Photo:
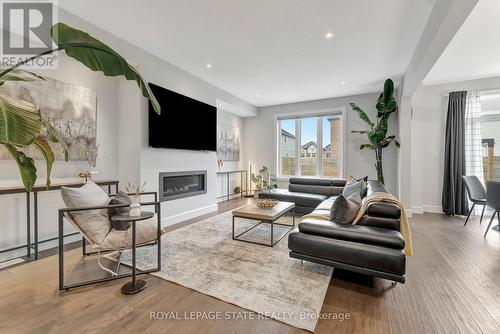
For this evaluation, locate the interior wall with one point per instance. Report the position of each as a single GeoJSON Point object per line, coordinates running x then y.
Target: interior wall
{"type": "Point", "coordinates": [227, 118]}
{"type": "Point", "coordinates": [260, 131]}
{"type": "Point", "coordinates": [13, 207]}
{"type": "Point", "coordinates": [428, 124]}
{"type": "Point", "coordinates": [149, 162]}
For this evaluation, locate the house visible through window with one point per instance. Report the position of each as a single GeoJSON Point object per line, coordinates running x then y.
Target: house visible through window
{"type": "Point", "coordinates": [316, 141]}
{"type": "Point", "coordinates": [490, 133]}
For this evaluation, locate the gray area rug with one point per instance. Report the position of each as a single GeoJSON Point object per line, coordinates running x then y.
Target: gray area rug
{"type": "Point", "coordinates": [265, 280]}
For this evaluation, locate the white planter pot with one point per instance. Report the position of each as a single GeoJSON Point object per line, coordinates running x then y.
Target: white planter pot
{"type": "Point", "coordinates": [134, 210]}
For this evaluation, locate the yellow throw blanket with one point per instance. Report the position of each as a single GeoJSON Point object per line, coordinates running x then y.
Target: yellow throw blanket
{"type": "Point", "coordinates": [377, 197]}
{"type": "Point", "coordinates": [404, 226]}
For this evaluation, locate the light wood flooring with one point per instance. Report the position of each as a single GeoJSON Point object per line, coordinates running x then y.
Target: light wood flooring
{"type": "Point", "coordinates": [452, 286]}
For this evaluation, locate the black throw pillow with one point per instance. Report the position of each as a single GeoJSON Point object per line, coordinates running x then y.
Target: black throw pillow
{"type": "Point", "coordinates": [120, 198]}
{"type": "Point", "coordinates": [344, 210]}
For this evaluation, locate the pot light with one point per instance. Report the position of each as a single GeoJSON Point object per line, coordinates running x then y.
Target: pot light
{"type": "Point", "coordinates": [343, 83]}
{"type": "Point", "coordinates": [258, 95]}
{"type": "Point", "coordinates": [329, 35]}
{"type": "Point", "coordinates": [208, 65]}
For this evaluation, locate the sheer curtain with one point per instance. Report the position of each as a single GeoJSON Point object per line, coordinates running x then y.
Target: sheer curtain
{"type": "Point", "coordinates": [473, 138]}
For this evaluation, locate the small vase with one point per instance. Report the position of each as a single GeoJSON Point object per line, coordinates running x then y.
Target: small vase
{"type": "Point", "coordinates": [134, 210]}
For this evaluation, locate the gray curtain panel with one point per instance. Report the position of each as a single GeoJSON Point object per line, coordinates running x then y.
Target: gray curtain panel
{"type": "Point", "coordinates": [454, 199]}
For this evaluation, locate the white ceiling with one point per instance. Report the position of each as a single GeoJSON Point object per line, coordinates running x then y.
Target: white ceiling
{"type": "Point", "coordinates": [271, 52]}
{"type": "Point", "coordinates": [474, 52]}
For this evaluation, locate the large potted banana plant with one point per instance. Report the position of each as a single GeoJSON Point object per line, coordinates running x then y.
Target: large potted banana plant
{"type": "Point", "coordinates": [377, 132]}
{"type": "Point", "coordinates": [21, 123]}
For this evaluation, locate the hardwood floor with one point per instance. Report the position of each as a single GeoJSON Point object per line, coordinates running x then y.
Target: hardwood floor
{"type": "Point", "coordinates": [451, 287]}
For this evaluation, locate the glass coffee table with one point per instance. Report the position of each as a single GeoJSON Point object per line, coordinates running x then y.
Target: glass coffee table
{"type": "Point", "coordinates": [269, 216]}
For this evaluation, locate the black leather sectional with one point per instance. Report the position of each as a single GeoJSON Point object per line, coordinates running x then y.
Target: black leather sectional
{"type": "Point", "coordinates": [373, 247]}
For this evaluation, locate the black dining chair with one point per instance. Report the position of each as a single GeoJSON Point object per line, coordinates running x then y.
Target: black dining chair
{"type": "Point", "coordinates": [493, 201]}
{"type": "Point", "coordinates": [476, 193]}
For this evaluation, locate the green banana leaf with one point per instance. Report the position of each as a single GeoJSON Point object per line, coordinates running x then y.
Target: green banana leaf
{"type": "Point", "coordinates": [42, 145]}
{"type": "Point", "coordinates": [98, 57]}
{"type": "Point", "coordinates": [370, 146]}
{"type": "Point", "coordinates": [18, 75]}
{"type": "Point", "coordinates": [386, 102]}
{"type": "Point", "coordinates": [26, 166]}
{"type": "Point", "coordinates": [362, 115]}
{"type": "Point", "coordinates": [20, 121]}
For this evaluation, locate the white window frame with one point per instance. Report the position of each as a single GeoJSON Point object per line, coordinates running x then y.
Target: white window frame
{"type": "Point", "coordinates": [330, 112]}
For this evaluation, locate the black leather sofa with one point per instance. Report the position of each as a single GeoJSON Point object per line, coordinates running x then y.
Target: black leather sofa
{"type": "Point", "coordinates": [373, 247]}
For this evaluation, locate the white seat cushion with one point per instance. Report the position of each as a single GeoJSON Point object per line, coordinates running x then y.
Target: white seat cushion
{"type": "Point", "coordinates": [145, 233]}
{"type": "Point", "coordinates": [94, 223]}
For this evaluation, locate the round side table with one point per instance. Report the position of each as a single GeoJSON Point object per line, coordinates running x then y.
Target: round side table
{"type": "Point", "coordinates": [135, 285]}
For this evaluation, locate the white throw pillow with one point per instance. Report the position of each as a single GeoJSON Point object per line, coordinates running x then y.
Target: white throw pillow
{"type": "Point", "coordinates": [94, 223]}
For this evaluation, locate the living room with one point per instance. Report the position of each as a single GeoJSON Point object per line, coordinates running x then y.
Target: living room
{"type": "Point", "coordinates": [249, 166]}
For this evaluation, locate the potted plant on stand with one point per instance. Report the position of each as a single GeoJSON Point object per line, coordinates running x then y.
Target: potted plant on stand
{"type": "Point", "coordinates": [264, 182]}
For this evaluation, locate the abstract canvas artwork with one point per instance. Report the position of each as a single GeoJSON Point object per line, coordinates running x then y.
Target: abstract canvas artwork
{"type": "Point", "coordinates": [228, 142]}
{"type": "Point", "coordinates": [69, 108]}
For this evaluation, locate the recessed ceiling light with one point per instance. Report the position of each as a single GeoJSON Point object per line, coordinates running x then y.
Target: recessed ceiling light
{"type": "Point", "coordinates": [208, 65]}
{"type": "Point", "coordinates": [329, 35]}
{"type": "Point", "coordinates": [258, 95]}
{"type": "Point", "coordinates": [343, 82]}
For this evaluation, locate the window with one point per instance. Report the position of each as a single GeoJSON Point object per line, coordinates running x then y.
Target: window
{"type": "Point", "coordinates": [310, 146]}
{"type": "Point", "coordinates": [308, 140]}
{"type": "Point", "coordinates": [287, 147]}
{"type": "Point", "coordinates": [490, 134]}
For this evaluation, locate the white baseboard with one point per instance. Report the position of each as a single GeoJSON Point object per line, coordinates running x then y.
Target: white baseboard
{"type": "Point", "coordinates": [418, 210]}
{"type": "Point", "coordinates": [432, 208]}
{"type": "Point", "coordinates": [409, 213]}
{"type": "Point", "coordinates": [188, 215]}
{"type": "Point", "coordinates": [426, 208]}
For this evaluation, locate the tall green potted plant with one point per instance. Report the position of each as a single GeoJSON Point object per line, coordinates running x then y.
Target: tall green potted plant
{"type": "Point", "coordinates": [377, 132]}
{"type": "Point", "coordinates": [22, 125]}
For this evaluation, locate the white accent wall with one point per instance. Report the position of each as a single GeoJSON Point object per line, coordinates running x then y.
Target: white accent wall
{"type": "Point", "coordinates": [122, 136]}
{"type": "Point", "coordinates": [260, 149]}
{"type": "Point", "coordinates": [428, 126]}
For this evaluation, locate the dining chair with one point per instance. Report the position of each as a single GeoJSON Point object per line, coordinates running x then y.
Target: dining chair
{"type": "Point", "coordinates": [493, 201]}
{"type": "Point", "coordinates": [476, 194]}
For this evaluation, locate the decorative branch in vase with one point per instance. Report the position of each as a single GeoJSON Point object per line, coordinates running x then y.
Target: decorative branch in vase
{"type": "Point", "coordinates": [264, 180]}
{"type": "Point", "coordinates": [134, 190]}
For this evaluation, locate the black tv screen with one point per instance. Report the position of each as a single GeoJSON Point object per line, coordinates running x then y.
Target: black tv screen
{"type": "Point", "coordinates": [184, 123]}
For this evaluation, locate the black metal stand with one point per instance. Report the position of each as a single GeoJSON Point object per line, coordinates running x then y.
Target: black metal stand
{"type": "Point", "coordinates": [35, 244]}
{"type": "Point", "coordinates": [135, 285]}
{"type": "Point", "coordinates": [228, 194]}
{"type": "Point", "coordinates": [271, 222]}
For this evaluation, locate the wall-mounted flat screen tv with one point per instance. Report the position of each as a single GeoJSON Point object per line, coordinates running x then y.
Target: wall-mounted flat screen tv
{"type": "Point", "coordinates": [184, 123]}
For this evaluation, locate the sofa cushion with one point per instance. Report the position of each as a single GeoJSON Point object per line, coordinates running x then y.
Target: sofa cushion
{"type": "Point", "coordinates": [310, 181]}
{"type": "Point", "coordinates": [382, 222]}
{"type": "Point", "coordinates": [384, 209]}
{"type": "Point", "coordinates": [315, 189]}
{"type": "Point", "coordinates": [326, 204]}
{"type": "Point", "coordinates": [352, 187]}
{"type": "Point", "coordinates": [362, 234]}
{"type": "Point", "coordinates": [94, 223]}
{"type": "Point", "coordinates": [344, 210]}
{"type": "Point", "coordinates": [374, 186]}
{"type": "Point", "coordinates": [374, 257]}
{"type": "Point", "coordinates": [299, 198]}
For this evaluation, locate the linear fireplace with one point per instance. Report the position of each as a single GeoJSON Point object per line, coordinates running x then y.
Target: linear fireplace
{"type": "Point", "coordinates": [175, 185]}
